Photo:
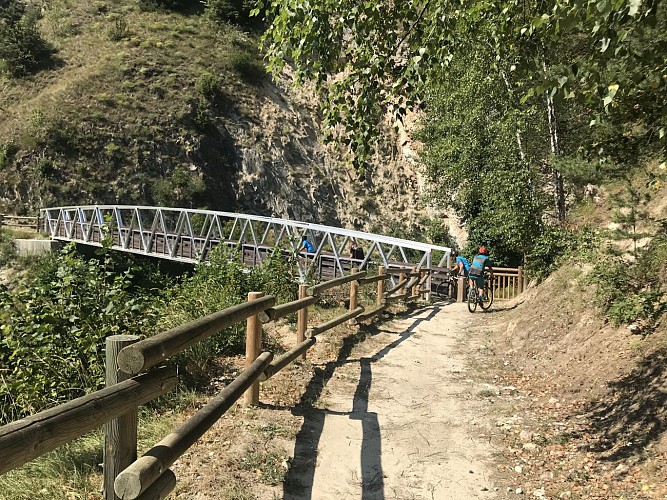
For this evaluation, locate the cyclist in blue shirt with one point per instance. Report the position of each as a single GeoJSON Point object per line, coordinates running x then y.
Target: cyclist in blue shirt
{"type": "Point", "coordinates": [476, 272]}
{"type": "Point", "coordinates": [461, 266]}
{"type": "Point", "coordinates": [307, 245]}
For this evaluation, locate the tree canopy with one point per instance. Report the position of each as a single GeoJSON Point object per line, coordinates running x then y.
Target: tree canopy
{"type": "Point", "coordinates": [371, 57]}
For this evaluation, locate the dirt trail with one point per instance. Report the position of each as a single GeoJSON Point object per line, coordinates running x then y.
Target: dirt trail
{"type": "Point", "coordinates": [398, 418]}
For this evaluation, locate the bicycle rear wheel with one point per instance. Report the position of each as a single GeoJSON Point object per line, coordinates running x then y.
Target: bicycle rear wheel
{"type": "Point", "coordinates": [488, 297]}
{"type": "Point", "coordinates": [472, 299]}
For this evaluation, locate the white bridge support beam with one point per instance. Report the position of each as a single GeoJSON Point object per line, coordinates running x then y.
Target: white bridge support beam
{"type": "Point", "coordinates": [187, 235]}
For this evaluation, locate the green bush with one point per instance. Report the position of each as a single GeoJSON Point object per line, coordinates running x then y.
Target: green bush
{"type": "Point", "coordinates": [53, 329]}
{"type": "Point", "coordinates": [217, 283]}
{"type": "Point", "coordinates": [629, 292]}
{"type": "Point", "coordinates": [118, 29]}
{"type": "Point", "coordinates": [7, 153]}
{"type": "Point", "coordinates": [554, 244]}
{"type": "Point", "coordinates": [249, 68]}
{"type": "Point", "coordinates": [7, 251]}
{"type": "Point", "coordinates": [207, 86]}
{"type": "Point", "coordinates": [22, 48]}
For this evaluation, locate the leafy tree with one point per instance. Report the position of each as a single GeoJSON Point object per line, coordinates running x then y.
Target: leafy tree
{"type": "Point", "coordinates": [630, 211]}
{"type": "Point", "coordinates": [22, 48]}
{"type": "Point", "coordinates": [476, 162]}
{"type": "Point", "coordinates": [377, 56]}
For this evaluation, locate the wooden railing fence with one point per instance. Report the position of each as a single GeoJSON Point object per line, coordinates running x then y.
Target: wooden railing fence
{"type": "Point", "coordinates": [508, 282]}
{"type": "Point", "coordinates": [19, 222]}
{"type": "Point", "coordinates": [115, 407]}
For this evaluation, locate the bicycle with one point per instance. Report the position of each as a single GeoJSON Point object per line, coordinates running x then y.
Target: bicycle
{"type": "Point", "coordinates": [447, 288]}
{"type": "Point", "coordinates": [487, 296]}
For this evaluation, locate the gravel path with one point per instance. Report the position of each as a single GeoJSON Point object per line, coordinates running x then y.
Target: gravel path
{"type": "Point", "coordinates": [399, 418]}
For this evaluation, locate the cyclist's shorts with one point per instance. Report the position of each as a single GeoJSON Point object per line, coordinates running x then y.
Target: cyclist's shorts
{"type": "Point", "coordinates": [479, 280]}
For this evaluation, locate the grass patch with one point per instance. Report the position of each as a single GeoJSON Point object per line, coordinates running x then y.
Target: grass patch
{"type": "Point", "coordinates": [74, 470]}
{"type": "Point", "coordinates": [268, 466]}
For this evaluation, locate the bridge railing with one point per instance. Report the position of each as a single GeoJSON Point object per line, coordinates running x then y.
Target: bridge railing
{"type": "Point", "coordinates": [115, 406]}
{"type": "Point", "coordinates": [189, 235]}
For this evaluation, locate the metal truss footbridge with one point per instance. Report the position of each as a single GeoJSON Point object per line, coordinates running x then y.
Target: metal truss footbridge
{"type": "Point", "coordinates": [188, 235]}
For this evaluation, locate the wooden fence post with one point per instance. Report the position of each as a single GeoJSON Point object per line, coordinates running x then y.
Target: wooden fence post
{"type": "Point", "coordinates": [354, 293]}
{"type": "Point", "coordinates": [380, 297]}
{"type": "Point", "coordinates": [120, 434]}
{"type": "Point", "coordinates": [302, 319]}
{"type": "Point", "coordinates": [520, 279]}
{"type": "Point", "coordinates": [413, 291]}
{"type": "Point", "coordinates": [460, 289]}
{"type": "Point", "coordinates": [253, 346]}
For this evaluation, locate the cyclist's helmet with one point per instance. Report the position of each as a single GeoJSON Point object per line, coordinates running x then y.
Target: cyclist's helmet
{"type": "Point", "coordinates": [483, 250]}
{"type": "Point", "coordinates": [455, 253]}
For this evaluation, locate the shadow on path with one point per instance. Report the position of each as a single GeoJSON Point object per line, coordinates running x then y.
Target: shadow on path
{"type": "Point", "coordinates": [299, 479]}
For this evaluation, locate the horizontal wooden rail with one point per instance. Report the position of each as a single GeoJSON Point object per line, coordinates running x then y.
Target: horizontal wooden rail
{"type": "Point", "coordinates": [274, 313]}
{"type": "Point", "coordinates": [320, 287]}
{"type": "Point", "coordinates": [137, 357]}
{"type": "Point", "coordinates": [413, 281]}
{"type": "Point", "coordinates": [20, 221]}
{"type": "Point", "coordinates": [401, 270]}
{"type": "Point", "coordinates": [396, 298]}
{"type": "Point", "coordinates": [161, 488]}
{"type": "Point", "coordinates": [284, 360]}
{"type": "Point", "coordinates": [373, 312]}
{"type": "Point", "coordinates": [373, 279]}
{"type": "Point", "coordinates": [316, 330]}
{"type": "Point", "coordinates": [134, 480]}
{"type": "Point", "coordinates": [31, 437]}
{"type": "Point", "coordinates": [400, 285]}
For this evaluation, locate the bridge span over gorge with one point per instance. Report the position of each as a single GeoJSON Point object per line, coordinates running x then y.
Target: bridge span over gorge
{"type": "Point", "coordinates": [188, 235]}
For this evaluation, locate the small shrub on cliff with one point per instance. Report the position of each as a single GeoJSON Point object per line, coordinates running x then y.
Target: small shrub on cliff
{"type": "Point", "coordinates": [22, 48]}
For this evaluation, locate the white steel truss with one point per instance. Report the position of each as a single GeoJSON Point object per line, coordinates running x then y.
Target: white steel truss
{"type": "Point", "coordinates": [187, 235]}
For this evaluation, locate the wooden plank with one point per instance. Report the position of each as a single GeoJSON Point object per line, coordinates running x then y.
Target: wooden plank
{"type": "Point", "coordinates": [146, 353]}
{"type": "Point", "coordinates": [134, 480]}
{"type": "Point", "coordinates": [284, 360]}
{"type": "Point", "coordinates": [320, 287]}
{"type": "Point", "coordinates": [31, 437]}
{"type": "Point", "coordinates": [316, 330]}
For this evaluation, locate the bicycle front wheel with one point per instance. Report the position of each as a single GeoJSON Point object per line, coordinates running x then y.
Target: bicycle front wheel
{"type": "Point", "coordinates": [442, 290]}
{"type": "Point", "coordinates": [472, 299]}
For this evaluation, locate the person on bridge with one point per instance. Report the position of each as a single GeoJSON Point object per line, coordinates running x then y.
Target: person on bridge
{"type": "Point", "coordinates": [461, 265]}
{"type": "Point", "coordinates": [306, 245]}
{"type": "Point", "coordinates": [480, 263]}
{"type": "Point", "coordinates": [356, 252]}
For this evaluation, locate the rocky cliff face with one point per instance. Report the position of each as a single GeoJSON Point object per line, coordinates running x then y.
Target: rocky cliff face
{"type": "Point", "coordinates": [285, 170]}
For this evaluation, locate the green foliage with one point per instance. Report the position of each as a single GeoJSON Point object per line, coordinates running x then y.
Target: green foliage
{"type": "Point", "coordinates": [220, 282]}
{"type": "Point", "coordinates": [7, 152]}
{"type": "Point", "coordinates": [609, 55]}
{"type": "Point", "coordinates": [181, 188]}
{"type": "Point", "coordinates": [630, 211]}
{"type": "Point", "coordinates": [7, 251]}
{"type": "Point", "coordinates": [230, 11]}
{"type": "Point", "coordinates": [634, 291]}
{"type": "Point", "coordinates": [248, 66]}
{"type": "Point", "coordinates": [22, 48]}
{"type": "Point", "coordinates": [207, 86]}
{"type": "Point", "coordinates": [53, 329]}
{"type": "Point", "coordinates": [475, 163]}
{"type": "Point", "coordinates": [118, 29]}
{"type": "Point", "coordinates": [554, 244]}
